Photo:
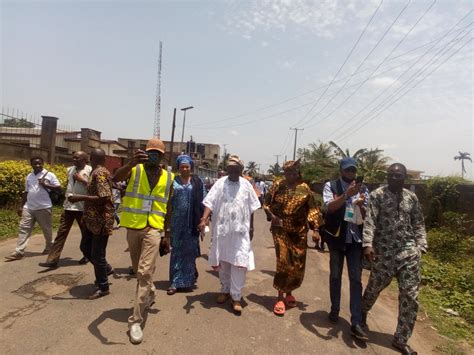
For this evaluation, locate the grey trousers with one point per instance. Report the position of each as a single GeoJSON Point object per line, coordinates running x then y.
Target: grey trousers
{"type": "Point", "coordinates": [27, 223]}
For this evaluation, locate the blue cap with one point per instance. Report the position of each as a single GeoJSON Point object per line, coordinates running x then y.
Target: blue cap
{"type": "Point", "coordinates": [347, 162]}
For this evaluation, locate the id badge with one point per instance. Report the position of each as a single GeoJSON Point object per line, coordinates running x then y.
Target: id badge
{"type": "Point", "coordinates": [349, 215]}
{"type": "Point", "coordinates": [146, 206]}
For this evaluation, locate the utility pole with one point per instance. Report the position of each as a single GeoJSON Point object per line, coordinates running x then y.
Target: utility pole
{"type": "Point", "coordinates": [296, 138]}
{"type": "Point", "coordinates": [184, 109]}
{"type": "Point", "coordinates": [224, 161]}
{"type": "Point", "coordinates": [172, 136]}
{"type": "Point", "coordinates": [277, 156]}
{"type": "Point", "coordinates": [156, 124]}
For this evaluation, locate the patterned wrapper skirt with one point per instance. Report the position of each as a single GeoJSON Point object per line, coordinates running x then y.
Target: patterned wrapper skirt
{"type": "Point", "coordinates": [290, 249]}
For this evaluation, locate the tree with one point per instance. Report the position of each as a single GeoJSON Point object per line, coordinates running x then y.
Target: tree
{"type": "Point", "coordinates": [18, 123]}
{"type": "Point", "coordinates": [252, 168]}
{"type": "Point", "coordinates": [463, 156]}
{"type": "Point", "coordinates": [373, 165]}
{"type": "Point", "coordinates": [275, 170]}
{"type": "Point", "coordinates": [223, 164]}
{"type": "Point", "coordinates": [318, 162]}
{"type": "Point", "coordinates": [344, 154]}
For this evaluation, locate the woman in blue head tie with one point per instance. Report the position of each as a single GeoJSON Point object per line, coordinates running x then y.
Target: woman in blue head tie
{"type": "Point", "coordinates": [187, 209]}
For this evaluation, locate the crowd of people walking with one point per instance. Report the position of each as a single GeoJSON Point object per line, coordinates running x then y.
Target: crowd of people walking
{"type": "Point", "coordinates": [167, 213]}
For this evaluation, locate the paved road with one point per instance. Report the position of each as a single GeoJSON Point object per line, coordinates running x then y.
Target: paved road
{"type": "Point", "coordinates": [47, 312]}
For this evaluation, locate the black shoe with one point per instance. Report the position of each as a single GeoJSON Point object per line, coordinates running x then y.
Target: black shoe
{"type": "Point", "coordinates": [83, 261]}
{"type": "Point", "coordinates": [333, 316]}
{"type": "Point", "coordinates": [130, 271]}
{"type": "Point", "coordinates": [110, 271]}
{"type": "Point", "coordinates": [98, 294]}
{"type": "Point", "coordinates": [358, 332]}
{"type": "Point", "coordinates": [403, 348]}
{"type": "Point", "coordinates": [50, 265]}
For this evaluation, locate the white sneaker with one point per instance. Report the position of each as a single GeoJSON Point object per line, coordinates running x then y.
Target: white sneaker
{"type": "Point", "coordinates": [136, 334]}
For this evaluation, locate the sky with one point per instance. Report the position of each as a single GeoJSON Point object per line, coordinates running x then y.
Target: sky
{"type": "Point", "coordinates": [393, 75]}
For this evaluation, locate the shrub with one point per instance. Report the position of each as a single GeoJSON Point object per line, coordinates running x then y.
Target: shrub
{"type": "Point", "coordinates": [13, 175]}
{"type": "Point", "coordinates": [443, 196]}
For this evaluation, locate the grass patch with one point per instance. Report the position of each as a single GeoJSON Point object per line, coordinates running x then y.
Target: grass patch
{"type": "Point", "coordinates": [9, 222]}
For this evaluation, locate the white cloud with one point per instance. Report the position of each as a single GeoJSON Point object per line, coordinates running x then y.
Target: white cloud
{"type": "Point", "coordinates": [286, 64]}
{"type": "Point", "coordinates": [383, 81]}
{"type": "Point", "coordinates": [233, 133]}
{"type": "Point", "coordinates": [322, 18]}
{"type": "Point", "coordinates": [264, 44]}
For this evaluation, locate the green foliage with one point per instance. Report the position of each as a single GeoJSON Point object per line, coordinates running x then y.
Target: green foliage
{"type": "Point", "coordinates": [13, 175]}
{"type": "Point", "coordinates": [9, 221]}
{"type": "Point", "coordinates": [443, 196]}
{"type": "Point", "coordinates": [275, 170]}
{"type": "Point", "coordinates": [17, 122]}
{"type": "Point", "coordinates": [252, 168]}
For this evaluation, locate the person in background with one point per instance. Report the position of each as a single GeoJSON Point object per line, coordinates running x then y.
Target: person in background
{"type": "Point", "coordinates": [232, 202]}
{"type": "Point", "coordinates": [36, 206]}
{"type": "Point", "coordinates": [394, 239]}
{"type": "Point", "coordinates": [291, 208]}
{"type": "Point", "coordinates": [117, 192]}
{"type": "Point", "coordinates": [77, 181]}
{"type": "Point", "coordinates": [98, 219]}
{"type": "Point", "coordinates": [187, 209]}
{"type": "Point", "coordinates": [262, 189]}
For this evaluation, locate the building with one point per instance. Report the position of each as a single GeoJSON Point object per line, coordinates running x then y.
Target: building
{"type": "Point", "coordinates": [204, 154]}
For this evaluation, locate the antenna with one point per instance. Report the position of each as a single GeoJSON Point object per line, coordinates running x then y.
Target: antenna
{"type": "Point", "coordinates": [156, 127]}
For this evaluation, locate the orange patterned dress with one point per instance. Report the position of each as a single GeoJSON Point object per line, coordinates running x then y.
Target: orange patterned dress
{"type": "Point", "coordinates": [298, 211]}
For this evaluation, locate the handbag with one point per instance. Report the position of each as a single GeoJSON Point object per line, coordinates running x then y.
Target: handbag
{"type": "Point", "coordinates": [56, 196]}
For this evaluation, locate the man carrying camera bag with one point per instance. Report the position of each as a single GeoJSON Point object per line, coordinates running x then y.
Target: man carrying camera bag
{"type": "Point", "coordinates": [345, 200]}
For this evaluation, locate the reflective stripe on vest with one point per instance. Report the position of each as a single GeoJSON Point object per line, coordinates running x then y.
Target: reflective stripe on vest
{"type": "Point", "coordinates": [133, 214]}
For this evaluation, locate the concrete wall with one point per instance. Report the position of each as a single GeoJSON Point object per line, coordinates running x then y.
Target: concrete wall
{"type": "Point", "coordinates": [10, 151]}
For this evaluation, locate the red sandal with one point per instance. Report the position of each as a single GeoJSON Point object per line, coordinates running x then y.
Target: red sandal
{"type": "Point", "coordinates": [279, 308]}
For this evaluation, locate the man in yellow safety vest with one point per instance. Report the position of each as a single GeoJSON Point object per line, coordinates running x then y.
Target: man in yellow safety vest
{"type": "Point", "coordinates": [145, 214]}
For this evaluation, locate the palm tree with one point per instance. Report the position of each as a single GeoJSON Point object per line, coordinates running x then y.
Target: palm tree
{"type": "Point", "coordinates": [252, 168]}
{"type": "Point", "coordinates": [344, 154]}
{"type": "Point", "coordinates": [463, 156]}
{"type": "Point", "coordinates": [275, 169]}
{"type": "Point", "coordinates": [373, 165]}
{"type": "Point", "coordinates": [318, 162]}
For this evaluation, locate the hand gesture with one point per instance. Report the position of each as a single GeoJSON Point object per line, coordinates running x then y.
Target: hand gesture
{"type": "Point", "coordinates": [73, 198]}
{"type": "Point", "coordinates": [139, 157]}
{"type": "Point", "coordinates": [353, 189]}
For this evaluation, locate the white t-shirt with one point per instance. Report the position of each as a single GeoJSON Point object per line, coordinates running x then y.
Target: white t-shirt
{"type": "Point", "coordinates": [38, 196]}
{"type": "Point", "coordinates": [75, 187]}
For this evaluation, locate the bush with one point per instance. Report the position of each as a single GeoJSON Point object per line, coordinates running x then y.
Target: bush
{"type": "Point", "coordinates": [13, 175]}
{"type": "Point", "coordinates": [443, 196]}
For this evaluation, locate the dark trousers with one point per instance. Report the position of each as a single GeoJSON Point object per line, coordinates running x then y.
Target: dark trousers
{"type": "Point", "coordinates": [65, 224]}
{"type": "Point", "coordinates": [93, 247]}
{"type": "Point", "coordinates": [353, 254]}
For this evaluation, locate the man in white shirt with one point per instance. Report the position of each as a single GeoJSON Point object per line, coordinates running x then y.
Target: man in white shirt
{"type": "Point", "coordinates": [77, 180]}
{"type": "Point", "coordinates": [232, 201]}
{"type": "Point", "coordinates": [36, 206]}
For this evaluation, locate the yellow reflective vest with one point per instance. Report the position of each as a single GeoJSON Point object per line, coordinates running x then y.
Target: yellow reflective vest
{"type": "Point", "coordinates": [140, 205]}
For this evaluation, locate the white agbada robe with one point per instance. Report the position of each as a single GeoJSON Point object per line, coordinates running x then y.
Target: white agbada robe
{"type": "Point", "coordinates": [232, 204]}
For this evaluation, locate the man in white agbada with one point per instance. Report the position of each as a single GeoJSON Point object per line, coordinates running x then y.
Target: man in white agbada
{"type": "Point", "coordinates": [232, 201]}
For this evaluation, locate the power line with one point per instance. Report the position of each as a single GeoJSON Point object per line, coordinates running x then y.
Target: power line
{"type": "Point", "coordinates": [360, 64]}
{"type": "Point", "coordinates": [403, 73]}
{"type": "Point", "coordinates": [401, 96]}
{"type": "Point", "coordinates": [343, 64]}
{"type": "Point", "coordinates": [379, 65]}
{"type": "Point", "coordinates": [200, 125]}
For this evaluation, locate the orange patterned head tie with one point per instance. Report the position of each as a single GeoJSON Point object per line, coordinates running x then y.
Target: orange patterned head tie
{"type": "Point", "coordinates": [292, 165]}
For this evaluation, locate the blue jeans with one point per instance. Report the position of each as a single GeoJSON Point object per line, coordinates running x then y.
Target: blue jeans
{"type": "Point", "coordinates": [353, 254]}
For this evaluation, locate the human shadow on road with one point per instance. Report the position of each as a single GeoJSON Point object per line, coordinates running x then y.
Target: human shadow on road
{"type": "Point", "coordinates": [81, 292]}
{"type": "Point", "coordinates": [317, 321]}
{"type": "Point", "coordinates": [119, 315]}
{"type": "Point", "coordinates": [269, 302]}
{"type": "Point", "coordinates": [162, 285]}
{"type": "Point", "coordinates": [208, 301]}
{"type": "Point", "coordinates": [123, 273]}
